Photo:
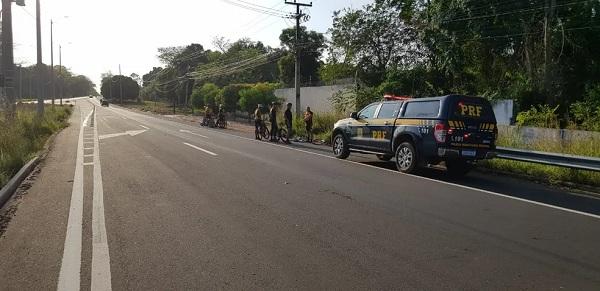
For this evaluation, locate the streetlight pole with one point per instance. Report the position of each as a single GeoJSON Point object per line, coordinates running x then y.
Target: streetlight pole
{"type": "Point", "coordinates": [7, 58]}
{"type": "Point", "coordinates": [52, 87]}
{"type": "Point", "coordinates": [60, 90]}
{"type": "Point", "coordinates": [40, 70]}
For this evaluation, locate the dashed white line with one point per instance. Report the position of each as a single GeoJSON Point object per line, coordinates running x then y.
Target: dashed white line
{"type": "Point", "coordinates": [70, 268]}
{"type": "Point", "coordinates": [101, 276]}
{"type": "Point", "coordinates": [200, 149]}
{"type": "Point", "coordinates": [192, 133]}
{"type": "Point", "coordinates": [144, 127]}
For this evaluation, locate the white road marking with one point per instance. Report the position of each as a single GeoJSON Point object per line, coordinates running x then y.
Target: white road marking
{"type": "Point", "coordinates": [88, 156]}
{"type": "Point", "coordinates": [147, 128]}
{"type": "Point", "coordinates": [192, 133]}
{"type": "Point", "coordinates": [88, 164]}
{"type": "Point", "coordinates": [88, 149]}
{"type": "Point", "coordinates": [70, 268]}
{"type": "Point", "coordinates": [101, 276]}
{"type": "Point", "coordinates": [130, 132]}
{"type": "Point", "coordinates": [200, 149]}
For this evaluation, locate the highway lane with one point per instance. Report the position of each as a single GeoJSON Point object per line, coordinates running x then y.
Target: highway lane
{"type": "Point", "coordinates": [267, 216]}
{"type": "Point", "coordinates": [193, 208]}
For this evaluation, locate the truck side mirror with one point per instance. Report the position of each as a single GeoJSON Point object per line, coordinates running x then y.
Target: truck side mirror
{"type": "Point", "coordinates": [354, 115]}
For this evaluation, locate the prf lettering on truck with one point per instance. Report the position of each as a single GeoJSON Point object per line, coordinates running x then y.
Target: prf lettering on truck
{"type": "Point", "coordinates": [470, 110]}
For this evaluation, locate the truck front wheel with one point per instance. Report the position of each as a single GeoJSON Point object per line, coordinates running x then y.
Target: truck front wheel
{"type": "Point", "coordinates": [340, 147]}
{"type": "Point", "coordinates": [406, 158]}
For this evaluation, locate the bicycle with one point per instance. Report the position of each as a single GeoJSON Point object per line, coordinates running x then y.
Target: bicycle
{"type": "Point", "coordinates": [221, 122]}
{"type": "Point", "coordinates": [263, 131]}
{"type": "Point", "coordinates": [282, 133]}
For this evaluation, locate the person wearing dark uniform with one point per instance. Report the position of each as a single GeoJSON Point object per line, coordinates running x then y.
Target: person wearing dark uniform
{"type": "Point", "coordinates": [288, 120]}
{"type": "Point", "coordinates": [308, 120]}
{"type": "Point", "coordinates": [273, 120]}
{"type": "Point", "coordinates": [257, 121]}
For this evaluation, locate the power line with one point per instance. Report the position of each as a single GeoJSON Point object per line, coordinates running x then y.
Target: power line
{"type": "Point", "coordinates": [258, 9]}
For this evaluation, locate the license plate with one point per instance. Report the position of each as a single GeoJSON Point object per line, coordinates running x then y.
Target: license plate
{"type": "Point", "coordinates": [469, 153]}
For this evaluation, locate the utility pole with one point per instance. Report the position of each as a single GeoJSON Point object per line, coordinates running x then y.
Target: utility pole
{"type": "Point", "coordinates": [20, 82]}
{"type": "Point", "coordinates": [297, 49]}
{"type": "Point", "coordinates": [8, 66]}
{"type": "Point", "coordinates": [121, 84]}
{"type": "Point", "coordinates": [60, 87]}
{"type": "Point", "coordinates": [52, 87]}
{"type": "Point", "coordinates": [40, 70]}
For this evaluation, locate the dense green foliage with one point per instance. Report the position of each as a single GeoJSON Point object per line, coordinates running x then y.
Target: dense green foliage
{"type": "Point", "coordinates": [535, 52]}
{"type": "Point", "coordinates": [20, 140]}
{"type": "Point", "coordinates": [67, 83]}
{"type": "Point", "coordinates": [119, 87]}
{"type": "Point", "coordinates": [311, 46]}
{"type": "Point", "coordinates": [261, 93]}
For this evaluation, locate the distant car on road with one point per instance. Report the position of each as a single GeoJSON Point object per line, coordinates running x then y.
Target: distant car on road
{"type": "Point", "coordinates": [455, 129]}
{"type": "Point", "coordinates": [104, 102]}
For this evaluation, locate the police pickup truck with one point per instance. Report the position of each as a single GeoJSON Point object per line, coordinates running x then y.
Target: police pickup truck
{"type": "Point", "coordinates": [457, 130]}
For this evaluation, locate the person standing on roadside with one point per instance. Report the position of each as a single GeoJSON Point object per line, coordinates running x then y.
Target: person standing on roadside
{"type": "Point", "coordinates": [288, 120]}
{"type": "Point", "coordinates": [257, 121]}
{"type": "Point", "coordinates": [308, 120]}
{"type": "Point", "coordinates": [273, 120]}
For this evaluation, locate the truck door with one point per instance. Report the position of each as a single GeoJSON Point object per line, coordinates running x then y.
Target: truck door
{"type": "Point", "coordinates": [360, 136]}
{"type": "Point", "coordinates": [382, 127]}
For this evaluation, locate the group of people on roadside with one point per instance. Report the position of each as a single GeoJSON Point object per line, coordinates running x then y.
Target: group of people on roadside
{"type": "Point", "coordinates": [288, 118]}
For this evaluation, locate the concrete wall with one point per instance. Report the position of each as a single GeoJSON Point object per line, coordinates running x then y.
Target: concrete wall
{"type": "Point", "coordinates": [503, 109]}
{"type": "Point", "coordinates": [318, 98]}
{"type": "Point", "coordinates": [530, 135]}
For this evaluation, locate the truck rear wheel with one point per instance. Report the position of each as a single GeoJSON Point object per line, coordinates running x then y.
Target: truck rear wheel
{"type": "Point", "coordinates": [406, 158]}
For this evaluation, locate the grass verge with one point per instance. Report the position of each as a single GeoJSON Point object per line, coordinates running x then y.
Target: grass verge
{"type": "Point", "coordinates": [549, 174]}
{"type": "Point", "coordinates": [21, 140]}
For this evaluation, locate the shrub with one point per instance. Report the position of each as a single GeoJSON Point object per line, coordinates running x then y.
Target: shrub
{"type": "Point", "coordinates": [539, 116]}
{"type": "Point", "coordinates": [20, 140]}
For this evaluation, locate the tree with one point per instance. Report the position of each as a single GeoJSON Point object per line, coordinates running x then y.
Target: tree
{"type": "Point", "coordinates": [311, 47]}
{"type": "Point", "coordinates": [136, 78]}
{"type": "Point", "coordinates": [209, 93]}
{"type": "Point", "coordinates": [260, 93]}
{"type": "Point", "coordinates": [375, 39]}
{"type": "Point", "coordinates": [112, 85]}
{"type": "Point", "coordinates": [230, 96]}
{"type": "Point", "coordinates": [331, 72]}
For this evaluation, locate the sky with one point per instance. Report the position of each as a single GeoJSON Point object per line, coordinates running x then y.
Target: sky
{"type": "Point", "coordinates": [99, 35]}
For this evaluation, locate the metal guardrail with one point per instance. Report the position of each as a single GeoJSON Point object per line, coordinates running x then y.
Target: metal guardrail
{"type": "Point", "coordinates": [552, 159]}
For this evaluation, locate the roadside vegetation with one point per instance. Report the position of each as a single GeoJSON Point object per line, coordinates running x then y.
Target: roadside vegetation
{"type": "Point", "coordinates": [26, 136]}
{"type": "Point", "coordinates": [545, 60]}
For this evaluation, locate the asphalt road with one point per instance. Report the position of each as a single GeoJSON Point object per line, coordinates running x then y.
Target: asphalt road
{"type": "Point", "coordinates": [134, 202]}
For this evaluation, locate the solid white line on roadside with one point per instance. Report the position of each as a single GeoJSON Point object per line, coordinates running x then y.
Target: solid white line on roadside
{"type": "Point", "coordinates": [101, 276]}
{"type": "Point", "coordinates": [200, 149]}
{"type": "Point", "coordinates": [144, 127]}
{"type": "Point", "coordinates": [425, 178]}
{"type": "Point", "coordinates": [192, 133]}
{"type": "Point", "coordinates": [70, 268]}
